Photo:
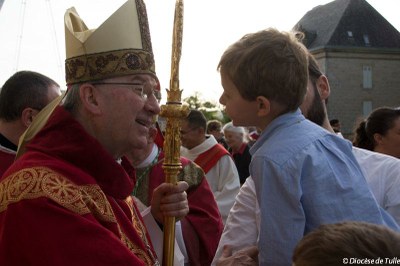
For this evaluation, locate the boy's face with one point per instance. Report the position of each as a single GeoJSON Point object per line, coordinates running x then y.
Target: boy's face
{"type": "Point", "coordinates": [241, 111]}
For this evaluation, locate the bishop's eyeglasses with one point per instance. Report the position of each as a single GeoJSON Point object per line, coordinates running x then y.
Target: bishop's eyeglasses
{"type": "Point", "coordinates": [143, 91]}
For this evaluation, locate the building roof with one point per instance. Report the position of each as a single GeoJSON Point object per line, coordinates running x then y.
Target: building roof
{"type": "Point", "coordinates": [347, 23]}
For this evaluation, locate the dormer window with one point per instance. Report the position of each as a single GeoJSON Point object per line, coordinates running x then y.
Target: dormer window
{"type": "Point", "coordinates": [366, 40]}
{"type": "Point", "coordinates": [350, 34]}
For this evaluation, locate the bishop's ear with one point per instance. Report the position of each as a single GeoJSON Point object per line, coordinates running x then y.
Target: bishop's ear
{"type": "Point", "coordinates": [90, 98]}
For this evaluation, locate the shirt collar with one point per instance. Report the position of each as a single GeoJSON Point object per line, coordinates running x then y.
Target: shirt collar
{"type": "Point", "coordinates": [281, 121]}
{"type": "Point", "coordinates": [149, 159]}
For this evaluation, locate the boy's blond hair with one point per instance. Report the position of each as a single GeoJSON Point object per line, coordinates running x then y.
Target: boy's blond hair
{"type": "Point", "coordinates": [268, 63]}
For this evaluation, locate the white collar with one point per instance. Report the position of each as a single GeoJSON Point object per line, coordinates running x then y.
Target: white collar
{"type": "Point", "coordinates": [149, 158]}
{"type": "Point", "coordinates": [207, 144]}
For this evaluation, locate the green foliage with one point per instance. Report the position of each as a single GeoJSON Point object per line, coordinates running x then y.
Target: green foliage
{"type": "Point", "coordinates": [211, 110]}
{"type": "Point", "coordinates": [193, 101]}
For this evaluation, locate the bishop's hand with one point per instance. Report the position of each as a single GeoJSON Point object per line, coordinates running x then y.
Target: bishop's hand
{"type": "Point", "coordinates": [170, 200]}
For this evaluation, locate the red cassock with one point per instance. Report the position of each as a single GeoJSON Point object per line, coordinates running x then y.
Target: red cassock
{"type": "Point", "coordinates": [63, 203]}
{"type": "Point", "coordinates": [202, 227]}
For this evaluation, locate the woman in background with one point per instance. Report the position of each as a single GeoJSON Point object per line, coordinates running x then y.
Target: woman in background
{"type": "Point", "coordinates": [239, 149]}
{"type": "Point", "coordinates": [380, 132]}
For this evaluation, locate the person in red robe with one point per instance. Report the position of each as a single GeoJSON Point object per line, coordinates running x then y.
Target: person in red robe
{"type": "Point", "coordinates": [64, 200]}
{"type": "Point", "coordinates": [201, 229]}
{"type": "Point", "coordinates": [22, 96]}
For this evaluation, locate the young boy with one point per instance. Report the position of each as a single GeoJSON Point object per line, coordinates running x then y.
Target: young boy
{"type": "Point", "coordinates": [304, 175]}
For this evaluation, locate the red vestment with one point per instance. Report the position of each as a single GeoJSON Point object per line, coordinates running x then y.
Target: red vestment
{"type": "Point", "coordinates": [63, 203]}
{"type": "Point", "coordinates": [209, 158]}
{"type": "Point", "coordinates": [202, 227]}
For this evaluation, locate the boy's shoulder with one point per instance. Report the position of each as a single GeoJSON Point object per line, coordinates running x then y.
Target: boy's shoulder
{"type": "Point", "coordinates": [293, 140]}
{"type": "Point", "coordinates": [295, 135]}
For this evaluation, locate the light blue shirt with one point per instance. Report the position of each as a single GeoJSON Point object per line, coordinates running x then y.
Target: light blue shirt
{"type": "Point", "coordinates": [305, 177]}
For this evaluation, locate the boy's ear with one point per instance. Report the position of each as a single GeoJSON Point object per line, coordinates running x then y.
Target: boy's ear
{"type": "Point", "coordinates": [90, 98]}
{"type": "Point", "coordinates": [263, 106]}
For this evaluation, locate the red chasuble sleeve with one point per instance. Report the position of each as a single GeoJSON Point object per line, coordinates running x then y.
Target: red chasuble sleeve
{"type": "Point", "coordinates": [48, 220]}
{"type": "Point", "coordinates": [55, 236]}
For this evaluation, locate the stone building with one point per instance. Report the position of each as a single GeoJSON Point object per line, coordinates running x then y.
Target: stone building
{"type": "Point", "coordinates": [359, 51]}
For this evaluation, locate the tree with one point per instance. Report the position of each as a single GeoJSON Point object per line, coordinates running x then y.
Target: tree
{"type": "Point", "coordinates": [211, 110]}
{"type": "Point", "coordinates": [193, 101]}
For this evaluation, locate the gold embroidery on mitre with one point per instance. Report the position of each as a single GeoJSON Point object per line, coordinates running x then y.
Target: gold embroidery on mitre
{"type": "Point", "coordinates": [31, 183]}
{"type": "Point", "coordinates": [108, 64]}
{"type": "Point", "coordinates": [144, 26]}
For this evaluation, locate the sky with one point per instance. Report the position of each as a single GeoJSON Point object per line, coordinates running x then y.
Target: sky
{"type": "Point", "coordinates": [32, 34]}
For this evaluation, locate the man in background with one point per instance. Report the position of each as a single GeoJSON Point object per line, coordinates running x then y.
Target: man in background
{"type": "Point", "coordinates": [214, 127]}
{"type": "Point", "coordinates": [204, 150]}
{"type": "Point", "coordinates": [22, 96]}
{"type": "Point", "coordinates": [381, 171]}
{"type": "Point", "coordinates": [335, 124]}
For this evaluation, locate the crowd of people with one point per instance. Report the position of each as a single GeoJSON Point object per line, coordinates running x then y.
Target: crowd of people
{"type": "Point", "coordinates": [82, 179]}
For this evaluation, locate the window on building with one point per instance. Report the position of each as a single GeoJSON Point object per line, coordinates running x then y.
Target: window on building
{"type": "Point", "coordinates": [367, 108]}
{"type": "Point", "coordinates": [367, 77]}
{"type": "Point", "coordinates": [350, 38]}
{"type": "Point", "coordinates": [366, 40]}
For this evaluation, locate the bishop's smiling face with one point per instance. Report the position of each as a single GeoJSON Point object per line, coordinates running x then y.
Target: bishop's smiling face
{"type": "Point", "coordinates": [126, 116]}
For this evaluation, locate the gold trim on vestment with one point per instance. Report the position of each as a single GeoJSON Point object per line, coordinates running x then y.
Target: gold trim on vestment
{"type": "Point", "coordinates": [36, 182]}
{"type": "Point", "coordinates": [135, 249]}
